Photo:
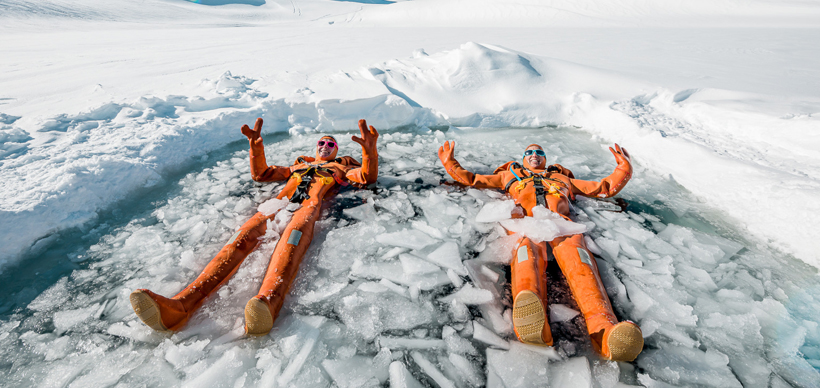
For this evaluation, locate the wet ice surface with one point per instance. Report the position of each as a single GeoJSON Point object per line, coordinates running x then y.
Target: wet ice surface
{"type": "Point", "coordinates": [403, 286]}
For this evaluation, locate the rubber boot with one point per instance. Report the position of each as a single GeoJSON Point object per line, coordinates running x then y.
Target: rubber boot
{"type": "Point", "coordinates": [614, 341]}
{"type": "Point", "coordinates": [263, 309]}
{"type": "Point", "coordinates": [529, 288]}
{"type": "Point", "coordinates": [163, 314]}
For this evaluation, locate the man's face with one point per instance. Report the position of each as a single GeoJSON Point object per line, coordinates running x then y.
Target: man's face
{"type": "Point", "coordinates": [325, 148]}
{"type": "Point", "coordinates": [534, 159]}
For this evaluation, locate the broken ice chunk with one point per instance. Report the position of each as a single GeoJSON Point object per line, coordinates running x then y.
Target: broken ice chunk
{"type": "Point", "coordinates": [561, 313]}
{"type": "Point", "coordinates": [447, 255]}
{"type": "Point", "coordinates": [272, 206]}
{"type": "Point", "coordinates": [408, 238]}
{"type": "Point", "coordinates": [689, 366]}
{"type": "Point", "coordinates": [496, 211]}
{"type": "Point", "coordinates": [518, 367]}
{"type": "Point", "coordinates": [394, 287]}
{"type": "Point", "coordinates": [481, 333]}
{"type": "Point", "coordinates": [400, 377]}
{"type": "Point", "coordinates": [459, 311]}
{"type": "Point", "coordinates": [422, 226]}
{"type": "Point", "coordinates": [296, 362]}
{"type": "Point", "coordinates": [467, 370]}
{"type": "Point", "coordinates": [573, 372]}
{"type": "Point", "coordinates": [410, 343]}
{"type": "Point", "coordinates": [354, 372]}
{"type": "Point", "coordinates": [412, 265]}
{"type": "Point", "coordinates": [455, 343]}
{"type": "Point", "coordinates": [395, 273]}
{"type": "Point", "coordinates": [222, 372]}
{"type": "Point", "coordinates": [457, 281]}
{"type": "Point", "coordinates": [362, 212]}
{"type": "Point", "coordinates": [430, 369]}
{"type": "Point", "coordinates": [490, 274]}
{"type": "Point", "coordinates": [544, 225]}
{"type": "Point", "coordinates": [469, 295]}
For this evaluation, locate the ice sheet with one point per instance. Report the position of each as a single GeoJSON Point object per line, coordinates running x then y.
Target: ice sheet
{"type": "Point", "coordinates": [684, 281]}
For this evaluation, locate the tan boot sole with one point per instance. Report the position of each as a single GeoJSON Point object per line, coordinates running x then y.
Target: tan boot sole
{"type": "Point", "coordinates": [528, 318]}
{"type": "Point", "coordinates": [625, 342]}
{"type": "Point", "coordinates": [147, 310]}
{"type": "Point", "coordinates": [258, 319]}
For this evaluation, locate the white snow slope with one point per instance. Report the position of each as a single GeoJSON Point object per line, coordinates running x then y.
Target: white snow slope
{"type": "Point", "coordinates": [100, 100]}
{"type": "Point", "coordinates": [111, 97]}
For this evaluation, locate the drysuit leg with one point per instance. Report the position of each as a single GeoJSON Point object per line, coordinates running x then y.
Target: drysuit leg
{"type": "Point", "coordinates": [263, 309]}
{"type": "Point", "coordinates": [616, 341]}
{"type": "Point", "coordinates": [529, 289]}
{"type": "Point", "coordinates": [161, 313]}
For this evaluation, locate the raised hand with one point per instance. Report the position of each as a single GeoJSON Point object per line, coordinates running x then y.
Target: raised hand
{"type": "Point", "coordinates": [255, 134]}
{"type": "Point", "coordinates": [621, 156]}
{"type": "Point", "coordinates": [446, 152]}
{"type": "Point", "coordinates": [369, 136]}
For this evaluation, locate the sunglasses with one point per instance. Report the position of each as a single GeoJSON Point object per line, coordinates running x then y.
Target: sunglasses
{"type": "Point", "coordinates": [321, 143]}
{"type": "Point", "coordinates": [537, 152]}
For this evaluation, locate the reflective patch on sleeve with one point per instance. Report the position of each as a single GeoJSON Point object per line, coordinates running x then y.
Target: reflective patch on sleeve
{"type": "Point", "coordinates": [584, 256]}
{"type": "Point", "coordinates": [295, 237]}
{"type": "Point", "coordinates": [233, 238]}
{"type": "Point", "coordinates": [522, 254]}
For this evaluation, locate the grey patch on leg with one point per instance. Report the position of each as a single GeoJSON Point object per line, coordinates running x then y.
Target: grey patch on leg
{"type": "Point", "coordinates": [295, 237]}
{"type": "Point", "coordinates": [584, 256]}
{"type": "Point", "coordinates": [233, 238]}
{"type": "Point", "coordinates": [522, 254]}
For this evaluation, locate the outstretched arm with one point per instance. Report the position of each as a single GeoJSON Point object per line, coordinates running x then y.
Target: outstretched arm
{"type": "Point", "coordinates": [369, 171]}
{"type": "Point", "coordinates": [446, 153]}
{"type": "Point", "coordinates": [260, 171]}
{"type": "Point", "coordinates": [610, 185]}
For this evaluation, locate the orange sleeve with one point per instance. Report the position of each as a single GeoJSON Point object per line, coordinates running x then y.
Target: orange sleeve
{"type": "Point", "coordinates": [461, 175]}
{"type": "Point", "coordinates": [369, 170]}
{"type": "Point", "coordinates": [608, 186]}
{"type": "Point", "coordinates": [260, 171]}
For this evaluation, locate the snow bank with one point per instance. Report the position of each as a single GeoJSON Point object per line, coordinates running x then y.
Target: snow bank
{"type": "Point", "coordinates": [73, 166]}
{"type": "Point", "coordinates": [589, 13]}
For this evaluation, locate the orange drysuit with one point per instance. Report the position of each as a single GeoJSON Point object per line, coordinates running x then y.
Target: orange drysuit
{"type": "Point", "coordinates": [309, 181]}
{"type": "Point", "coordinates": [554, 187]}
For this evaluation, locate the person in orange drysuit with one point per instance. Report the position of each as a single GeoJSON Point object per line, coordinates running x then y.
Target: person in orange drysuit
{"type": "Point", "coordinates": [309, 181]}
{"type": "Point", "coordinates": [553, 187]}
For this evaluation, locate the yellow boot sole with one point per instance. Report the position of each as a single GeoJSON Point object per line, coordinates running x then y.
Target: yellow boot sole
{"type": "Point", "coordinates": [624, 341]}
{"type": "Point", "coordinates": [258, 319]}
{"type": "Point", "coordinates": [529, 318]}
{"type": "Point", "coordinates": [147, 310]}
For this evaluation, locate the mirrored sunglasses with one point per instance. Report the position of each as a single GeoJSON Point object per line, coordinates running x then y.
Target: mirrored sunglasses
{"type": "Point", "coordinates": [537, 152]}
{"type": "Point", "coordinates": [321, 143]}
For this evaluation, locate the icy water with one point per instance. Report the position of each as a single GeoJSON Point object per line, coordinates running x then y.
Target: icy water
{"type": "Point", "coordinates": [403, 285]}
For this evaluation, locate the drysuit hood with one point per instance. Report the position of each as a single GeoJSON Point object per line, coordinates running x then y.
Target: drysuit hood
{"type": "Point", "coordinates": [332, 155]}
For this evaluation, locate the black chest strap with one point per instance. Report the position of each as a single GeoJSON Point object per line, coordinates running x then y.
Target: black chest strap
{"type": "Point", "coordinates": [540, 194]}
{"type": "Point", "coordinates": [306, 177]}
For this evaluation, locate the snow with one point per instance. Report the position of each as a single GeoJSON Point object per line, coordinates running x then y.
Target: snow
{"type": "Point", "coordinates": [123, 167]}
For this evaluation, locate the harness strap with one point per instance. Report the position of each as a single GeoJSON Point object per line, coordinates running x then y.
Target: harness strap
{"type": "Point", "coordinates": [306, 175]}
{"type": "Point", "coordinates": [507, 186]}
{"type": "Point", "coordinates": [301, 193]}
{"type": "Point", "coordinates": [540, 194]}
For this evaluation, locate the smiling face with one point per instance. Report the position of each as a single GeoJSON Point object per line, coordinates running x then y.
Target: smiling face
{"type": "Point", "coordinates": [533, 160]}
{"type": "Point", "coordinates": [326, 148]}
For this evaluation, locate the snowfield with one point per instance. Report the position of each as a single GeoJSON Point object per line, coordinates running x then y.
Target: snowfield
{"type": "Point", "coordinates": [122, 167]}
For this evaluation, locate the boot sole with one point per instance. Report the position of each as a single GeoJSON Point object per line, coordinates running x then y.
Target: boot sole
{"type": "Point", "coordinates": [529, 318]}
{"type": "Point", "coordinates": [147, 310]}
{"type": "Point", "coordinates": [258, 319]}
{"type": "Point", "coordinates": [625, 342]}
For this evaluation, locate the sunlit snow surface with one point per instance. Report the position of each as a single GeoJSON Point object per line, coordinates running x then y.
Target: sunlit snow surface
{"type": "Point", "coordinates": [371, 306]}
